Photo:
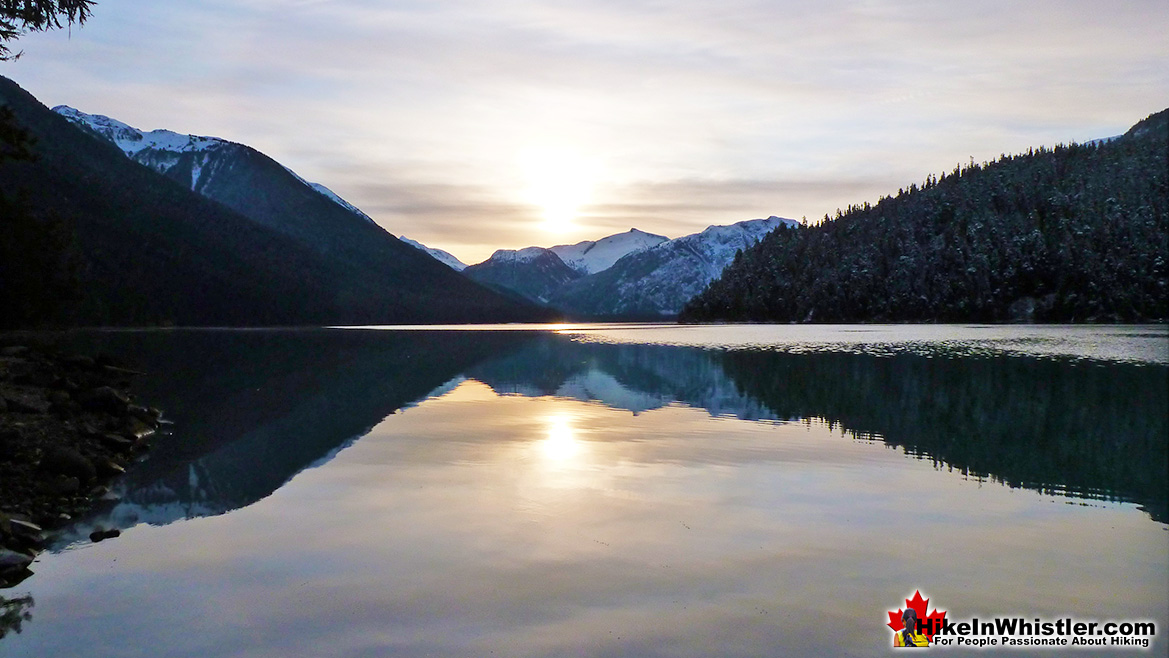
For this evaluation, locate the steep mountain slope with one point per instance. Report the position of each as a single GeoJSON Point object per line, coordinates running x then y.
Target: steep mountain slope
{"type": "Point", "coordinates": [534, 273]}
{"type": "Point", "coordinates": [658, 281]}
{"type": "Point", "coordinates": [444, 257]}
{"type": "Point", "coordinates": [1074, 233]}
{"type": "Point", "coordinates": [592, 256]}
{"type": "Point", "coordinates": [149, 251]}
{"type": "Point", "coordinates": [248, 182]}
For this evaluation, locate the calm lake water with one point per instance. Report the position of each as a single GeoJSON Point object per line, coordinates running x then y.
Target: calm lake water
{"type": "Point", "coordinates": [617, 490]}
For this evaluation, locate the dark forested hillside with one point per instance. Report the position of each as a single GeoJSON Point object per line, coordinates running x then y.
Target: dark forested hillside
{"type": "Point", "coordinates": [89, 237]}
{"type": "Point", "coordinates": [1069, 234]}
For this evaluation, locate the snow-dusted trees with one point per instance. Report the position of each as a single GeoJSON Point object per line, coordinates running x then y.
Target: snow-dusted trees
{"type": "Point", "coordinates": [1073, 233]}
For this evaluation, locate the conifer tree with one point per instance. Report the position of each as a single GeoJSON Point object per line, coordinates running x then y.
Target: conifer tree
{"type": "Point", "coordinates": [18, 17]}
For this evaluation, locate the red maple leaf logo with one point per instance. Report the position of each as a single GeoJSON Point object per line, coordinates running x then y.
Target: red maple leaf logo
{"type": "Point", "coordinates": [919, 606]}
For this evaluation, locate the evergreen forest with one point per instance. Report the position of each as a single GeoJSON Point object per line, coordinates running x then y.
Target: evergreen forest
{"type": "Point", "coordinates": [1075, 233]}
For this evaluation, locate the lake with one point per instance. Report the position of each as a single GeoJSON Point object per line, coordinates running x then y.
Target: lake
{"type": "Point", "coordinates": [617, 490]}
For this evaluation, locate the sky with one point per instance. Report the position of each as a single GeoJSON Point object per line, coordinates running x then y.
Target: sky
{"type": "Point", "coordinates": [473, 125]}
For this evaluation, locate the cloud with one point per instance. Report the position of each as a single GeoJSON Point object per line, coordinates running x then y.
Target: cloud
{"type": "Point", "coordinates": [418, 111]}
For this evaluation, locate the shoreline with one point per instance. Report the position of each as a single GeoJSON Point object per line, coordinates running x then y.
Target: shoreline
{"type": "Point", "coordinates": [69, 426]}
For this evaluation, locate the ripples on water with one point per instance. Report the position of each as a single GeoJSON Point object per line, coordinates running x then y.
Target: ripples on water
{"type": "Point", "coordinates": [1119, 344]}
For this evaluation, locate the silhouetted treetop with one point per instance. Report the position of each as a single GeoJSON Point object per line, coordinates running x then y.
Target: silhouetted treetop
{"type": "Point", "coordinates": [20, 16]}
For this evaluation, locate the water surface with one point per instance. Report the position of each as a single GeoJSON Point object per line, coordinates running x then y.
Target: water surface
{"type": "Point", "coordinates": [615, 490]}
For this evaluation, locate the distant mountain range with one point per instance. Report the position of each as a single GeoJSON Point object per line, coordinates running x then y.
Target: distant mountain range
{"type": "Point", "coordinates": [207, 232]}
{"type": "Point", "coordinates": [234, 237]}
{"type": "Point", "coordinates": [631, 275]}
{"type": "Point", "coordinates": [656, 282]}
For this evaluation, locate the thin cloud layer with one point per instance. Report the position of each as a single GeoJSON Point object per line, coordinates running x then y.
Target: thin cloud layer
{"type": "Point", "coordinates": [420, 112]}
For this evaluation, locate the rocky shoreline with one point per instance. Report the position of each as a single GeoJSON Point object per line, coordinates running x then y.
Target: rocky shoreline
{"type": "Point", "coordinates": [68, 428]}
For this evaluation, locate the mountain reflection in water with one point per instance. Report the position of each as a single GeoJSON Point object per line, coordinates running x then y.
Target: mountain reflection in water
{"type": "Point", "coordinates": [254, 408]}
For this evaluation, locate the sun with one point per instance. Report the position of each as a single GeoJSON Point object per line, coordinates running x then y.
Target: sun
{"type": "Point", "coordinates": [559, 183]}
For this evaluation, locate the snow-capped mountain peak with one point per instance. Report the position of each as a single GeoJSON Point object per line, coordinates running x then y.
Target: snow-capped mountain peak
{"type": "Point", "coordinates": [132, 141]}
{"type": "Point", "coordinates": [714, 247]}
{"type": "Point", "coordinates": [517, 255]}
{"type": "Point", "coordinates": [592, 256]}
{"type": "Point", "coordinates": [750, 230]}
{"type": "Point", "coordinates": [164, 150]}
{"type": "Point", "coordinates": [659, 280]}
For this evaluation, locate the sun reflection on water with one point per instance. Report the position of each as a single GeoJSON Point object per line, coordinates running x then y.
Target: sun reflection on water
{"type": "Point", "coordinates": [561, 443]}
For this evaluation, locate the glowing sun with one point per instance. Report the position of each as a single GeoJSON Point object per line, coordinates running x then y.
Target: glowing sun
{"type": "Point", "coordinates": [559, 183]}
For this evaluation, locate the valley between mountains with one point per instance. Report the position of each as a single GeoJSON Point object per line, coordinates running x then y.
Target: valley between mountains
{"type": "Point", "coordinates": [115, 226]}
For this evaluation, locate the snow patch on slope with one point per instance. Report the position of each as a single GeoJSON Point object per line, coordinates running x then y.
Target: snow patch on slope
{"type": "Point", "coordinates": [332, 196]}
{"type": "Point", "coordinates": [132, 141]}
{"type": "Point", "coordinates": [160, 150]}
{"type": "Point", "coordinates": [444, 257]}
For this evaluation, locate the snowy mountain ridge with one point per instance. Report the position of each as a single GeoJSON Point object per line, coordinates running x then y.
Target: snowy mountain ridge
{"type": "Point", "coordinates": [659, 280]}
{"type": "Point", "coordinates": [592, 256]}
{"type": "Point", "coordinates": [525, 255]}
{"type": "Point", "coordinates": [162, 150]}
{"type": "Point", "coordinates": [632, 274]}
{"type": "Point", "coordinates": [132, 141]}
{"type": "Point", "coordinates": [715, 246]}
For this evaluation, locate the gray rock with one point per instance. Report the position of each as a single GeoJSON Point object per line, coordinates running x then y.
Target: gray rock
{"type": "Point", "coordinates": [13, 561]}
{"type": "Point", "coordinates": [28, 404]}
{"type": "Point", "coordinates": [25, 533]}
{"type": "Point", "coordinates": [81, 362]}
{"type": "Point", "coordinates": [59, 398]}
{"type": "Point", "coordinates": [117, 442]}
{"type": "Point", "coordinates": [25, 528]}
{"type": "Point", "coordinates": [107, 468]}
{"type": "Point", "coordinates": [137, 430]}
{"type": "Point", "coordinates": [69, 462]}
{"type": "Point", "coordinates": [65, 486]}
{"type": "Point", "coordinates": [101, 534]}
{"type": "Point", "coordinates": [14, 350]}
{"type": "Point", "coordinates": [104, 398]}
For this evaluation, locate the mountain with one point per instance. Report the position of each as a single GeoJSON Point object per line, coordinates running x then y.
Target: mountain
{"type": "Point", "coordinates": [590, 257]}
{"type": "Point", "coordinates": [1071, 234]}
{"type": "Point", "coordinates": [256, 246]}
{"type": "Point", "coordinates": [534, 273]}
{"type": "Point", "coordinates": [332, 196]}
{"type": "Point", "coordinates": [246, 181]}
{"type": "Point", "coordinates": [203, 163]}
{"type": "Point", "coordinates": [658, 281]}
{"type": "Point", "coordinates": [444, 257]}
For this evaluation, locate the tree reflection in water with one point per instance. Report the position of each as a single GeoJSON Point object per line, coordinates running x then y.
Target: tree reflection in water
{"type": "Point", "coordinates": [14, 612]}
